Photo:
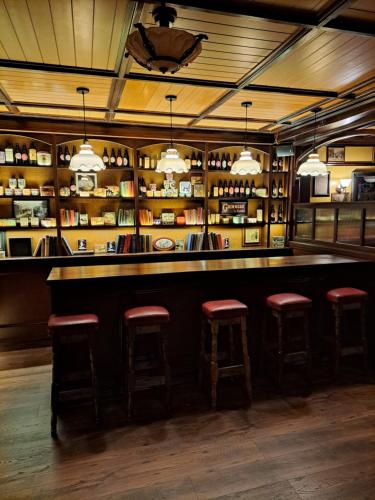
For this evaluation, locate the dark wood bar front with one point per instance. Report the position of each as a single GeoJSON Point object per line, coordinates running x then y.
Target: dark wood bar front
{"type": "Point", "coordinates": [182, 287]}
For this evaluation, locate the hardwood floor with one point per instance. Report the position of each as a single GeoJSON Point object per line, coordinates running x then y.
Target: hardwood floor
{"type": "Point", "coordinates": [321, 447]}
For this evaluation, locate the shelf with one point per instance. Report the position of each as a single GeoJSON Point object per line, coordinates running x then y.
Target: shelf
{"type": "Point", "coordinates": [191, 171]}
{"type": "Point", "coordinates": [85, 198]}
{"type": "Point", "coordinates": [164, 226]}
{"type": "Point", "coordinates": [280, 172]}
{"type": "Point", "coordinates": [277, 223]}
{"type": "Point", "coordinates": [120, 169]}
{"type": "Point", "coordinates": [257, 224]}
{"type": "Point", "coordinates": [29, 228]}
{"type": "Point", "coordinates": [7, 165]}
{"type": "Point", "coordinates": [232, 198]}
{"type": "Point", "coordinates": [85, 228]}
{"type": "Point", "coordinates": [172, 198]}
{"type": "Point", "coordinates": [28, 197]}
{"type": "Point", "coordinates": [227, 171]}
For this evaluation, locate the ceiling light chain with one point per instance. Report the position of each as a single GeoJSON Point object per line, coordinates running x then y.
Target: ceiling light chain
{"type": "Point", "coordinates": [313, 166]}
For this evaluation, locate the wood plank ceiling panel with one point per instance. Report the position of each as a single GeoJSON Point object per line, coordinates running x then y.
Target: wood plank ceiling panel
{"type": "Point", "coordinates": [308, 5]}
{"type": "Point", "coordinates": [227, 124]}
{"type": "Point", "coordinates": [151, 119]}
{"type": "Point", "coordinates": [54, 88]}
{"type": "Point", "coordinates": [236, 44]}
{"type": "Point", "coordinates": [3, 109]}
{"type": "Point", "coordinates": [326, 60]}
{"type": "Point", "coordinates": [150, 96]}
{"type": "Point", "coordinates": [269, 106]}
{"type": "Point", "coordinates": [84, 33]}
{"type": "Point", "coordinates": [363, 10]}
{"type": "Point", "coordinates": [71, 113]}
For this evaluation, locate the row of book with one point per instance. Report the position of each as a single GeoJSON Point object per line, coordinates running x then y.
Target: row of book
{"type": "Point", "coordinates": [127, 243]}
{"type": "Point", "coordinates": [46, 247]}
{"type": "Point", "coordinates": [73, 218]}
{"type": "Point", "coordinates": [194, 216]}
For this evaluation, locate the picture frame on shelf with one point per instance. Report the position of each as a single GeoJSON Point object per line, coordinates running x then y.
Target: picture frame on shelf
{"type": "Point", "coordinates": [233, 207]}
{"type": "Point", "coordinates": [321, 185]}
{"type": "Point", "coordinates": [86, 182]}
{"type": "Point", "coordinates": [30, 209]}
{"type": "Point", "coordinates": [335, 154]}
{"type": "Point", "coordinates": [163, 244]}
{"type": "Point", "coordinates": [251, 236]}
{"type": "Point", "coordinates": [180, 245]}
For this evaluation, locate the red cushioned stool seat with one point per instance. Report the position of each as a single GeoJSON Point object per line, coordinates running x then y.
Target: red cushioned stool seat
{"type": "Point", "coordinates": [146, 315]}
{"type": "Point", "coordinates": [284, 301]}
{"type": "Point", "coordinates": [224, 309]}
{"type": "Point", "coordinates": [75, 320]}
{"type": "Point", "coordinates": [345, 295]}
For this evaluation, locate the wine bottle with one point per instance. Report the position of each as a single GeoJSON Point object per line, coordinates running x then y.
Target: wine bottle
{"type": "Point", "coordinates": [125, 159]}
{"type": "Point", "coordinates": [272, 214]}
{"type": "Point", "coordinates": [193, 160]}
{"type": "Point", "coordinates": [229, 162]}
{"type": "Point", "coordinates": [119, 160]}
{"type": "Point", "coordinates": [223, 162]}
{"type": "Point", "coordinates": [188, 162]}
{"type": "Point", "coordinates": [212, 162]}
{"type": "Point", "coordinates": [217, 162]}
{"type": "Point", "coordinates": [260, 213]}
{"type": "Point", "coordinates": [142, 187]}
{"type": "Point", "coordinates": [234, 158]}
{"type": "Point", "coordinates": [280, 189]}
{"type": "Point", "coordinates": [199, 161]}
{"type": "Point", "coordinates": [231, 189]}
{"type": "Point", "coordinates": [66, 155]}
{"type": "Point", "coordinates": [215, 191]}
{"type": "Point", "coordinates": [226, 189]}
{"type": "Point", "coordinates": [105, 157]}
{"type": "Point", "coordinates": [73, 187]}
{"type": "Point", "coordinates": [242, 189]}
{"type": "Point", "coordinates": [146, 162]}
{"type": "Point", "coordinates": [140, 161]}
{"type": "Point", "coordinates": [280, 214]}
{"type": "Point", "coordinates": [32, 154]}
{"type": "Point", "coordinates": [17, 155]}
{"type": "Point", "coordinates": [221, 189]}
{"type": "Point", "coordinates": [236, 189]}
{"type": "Point", "coordinates": [247, 189]}
{"type": "Point", "coordinates": [274, 192]}
{"type": "Point", "coordinates": [274, 165]}
{"type": "Point", "coordinates": [112, 158]}
{"type": "Point", "coordinates": [153, 163]}
{"type": "Point", "coordinates": [60, 155]}
{"type": "Point", "coordinates": [24, 155]}
{"type": "Point", "coordinates": [74, 151]}
{"type": "Point", "coordinates": [281, 164]}
{"type": "Point", "coordinates": [9, 154]}
{"type": "Point", "coordinates": [253, 191]}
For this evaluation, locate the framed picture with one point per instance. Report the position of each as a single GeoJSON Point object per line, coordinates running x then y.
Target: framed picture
{"type": "Point", "coordinates": [320, 185]}
{"type": "Point", "coordinates": [335, 154]}
{"type": "Point", "coordinates": [163, 243]}
{"type": "Point", "coordinates": [233, 207]}
{"type": "Point", "coordinates": [30, 209]}
{"type": "Point", "coordinates": [86, 182]}
{"type": "Point", "coordinates": [251, 236]}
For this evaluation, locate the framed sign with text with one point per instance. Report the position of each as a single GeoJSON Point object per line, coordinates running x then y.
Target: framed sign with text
{"type": "Point", "coordinates": [233, 207]}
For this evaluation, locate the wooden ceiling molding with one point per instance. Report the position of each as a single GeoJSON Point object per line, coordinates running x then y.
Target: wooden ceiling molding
{"type": "Point", "coordinates": [64, 112]}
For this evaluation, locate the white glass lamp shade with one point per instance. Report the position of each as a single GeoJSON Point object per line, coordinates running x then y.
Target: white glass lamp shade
{"type": "Point", "coordinates": [246, 165]}
{"type": "Point", "coordinates": [171, 163]}
{"type": "Point", "coordinates": [312, 166]}
{"type": "Point", "coordinates": [345, 183]}
{"type": "Point", "coordinates": [86, 160]}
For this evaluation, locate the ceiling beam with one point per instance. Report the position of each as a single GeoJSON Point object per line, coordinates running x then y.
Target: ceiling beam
{"type": "Point", "coordinates": [5, 99]}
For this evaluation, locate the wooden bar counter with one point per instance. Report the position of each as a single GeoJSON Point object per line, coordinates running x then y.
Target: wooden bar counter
{"type": "Point", "coordinates": [181, 287]}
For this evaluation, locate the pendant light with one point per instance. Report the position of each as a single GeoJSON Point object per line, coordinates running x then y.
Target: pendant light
{"type": "Point", "coordinates": [85, 160]}
{"type": "Point", "coordinates": [246, 165]}
{"type": "Point", "coordinates": [171, 161]}
{"type": "Point", "coordinates": [313, 166]}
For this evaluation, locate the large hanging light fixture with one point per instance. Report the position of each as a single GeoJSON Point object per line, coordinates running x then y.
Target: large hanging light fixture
{"type": "Point", "coordinates": [171, 162]}
{"type": "Point", "coordinates": [162, 48]}
{"type": "Point", "coordinates": [85, 160]}
{"type": "Point", "coordinates": [313, 166]}
{"type": "Point", "coordinates": [246, 165]}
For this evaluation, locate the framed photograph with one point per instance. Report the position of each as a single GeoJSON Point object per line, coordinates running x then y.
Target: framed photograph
{"type": "Point", "coordinates": [163, 243]}
{"type": "Point", "coordinates": [277, 242]}
{"type": "Point", "coordinates": [180, 245]}
{"type": "Point", "coordinates": [335, 154]}
{"type": "Point", "coordinates": [86, 182]}
{"type": "Point", "coordinates": [30, 209]}
{"type": "Point", "coordinates": [251, 236]}
{"type": "Point", "coordinates": [320, 185]}
{"type": "Point", "coordinates": [233, 207]}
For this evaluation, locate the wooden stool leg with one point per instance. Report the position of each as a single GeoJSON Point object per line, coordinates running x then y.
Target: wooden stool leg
{"type": "Point", "coordinates": [214, 368]}
{"type": "Point", "coordinates": [280, 348]}
{"type": "Point", "coordinates": [164, 351]}
{"type": "Point", "coordinates": [131, 368]}
{"type": "Point", "coordinates": [231, 344]}
{"type": "Point", "coordinates": [54, 388]}
{"type": "Point", "coordinates": [94, 379]}
{"type": "Point", "coordinates": [202, 354]}
{"type": "Point", "coordinates": [364, 337]}
{"type": "Point", "coordinates": [338, 316]}
{"type": "Point", "coordinates": [307, 329]}
{"type": "Point", "coordinates": [246, 360]}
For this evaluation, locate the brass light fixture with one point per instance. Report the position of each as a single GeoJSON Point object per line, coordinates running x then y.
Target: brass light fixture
{"type": "Point", "coordinates": [162, 48]}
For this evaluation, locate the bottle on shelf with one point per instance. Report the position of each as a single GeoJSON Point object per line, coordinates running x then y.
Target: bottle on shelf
{"type": "Point", "coordinates": [60, 155]}
{"type": "Point", "coordinates": [153, 163]}
{"type": "Point", "coordinates": [242, 189]}
{"type": "Point", "coordinates": [215, 191]}
{"type": "Point", "coordinates": [247, 189]}
{"type": "Point", "coordinates": [140, 161]}
{"type": "Point", "coordinates": [222, 188]}
{"type": "Point", "coordinates": [274, 165]}
{"type": "Point", "coordinates": [74, 151]}
{"type": "Point", "coordinates": [32, 154]}
{"type": "Point", "coordinates": [193, 161]}
{"type": "Point", "coordinates": [230, 189]}
{"type": "Point", "coordinates": [66, 155]}
{"type": "Point", "coordinates": [217, 162]}
{"type": "Point", "coordinates": [213, 162]}
{"type": "Point", "coordinates": [188, 162]}
{"type": "Point", "coordinates": [229, 162]}
{"type": "Point", "coordinates": [280, 214]}
{"type": "Point", "coordinates": [9, 154]}
{"type": "Point", "coordinates": [280, 164]}
{"type": "Point", "coordinates": [146, 162]}
{"type": "Point", "coordinates": [223, 162]}
{"type": "Point", "coordinates": [119, 160]}
{"type": "Point", "coordinates": [24, 155]}
{"type": "Point", "coordinates": [280, 189]}
{"type": "Point", "coordinates": [274, 192]}
{"type": "Point", "coordinates": [105, 157]}
{"type": "Point", "coordinates": [125, 160]}
{"type": "Point", "coordinates": [260, 213]}
{"type": "Point", "coordinates": [17, 155]}
{"type": "Point", "coordinates": [21, 183]}
{"type": "Point", "coordinates": [2, 156]}
{"type": "Point", "coordinates": [234, 159]}
{"type": "Point", "coordinates": [236, 189]}
{"type": "Point", "coordinates": [253, 189]}
{"type": "Point", "coordinates": [272, 214]}
{"type": "Point", "coordinates": [199, 161]}
{"type": "Point", "coordinates": [142, 188]}
{"type": "Point", "coordinates": [73, 187]}
{"type": "Point", "coordinates": [112, 158]}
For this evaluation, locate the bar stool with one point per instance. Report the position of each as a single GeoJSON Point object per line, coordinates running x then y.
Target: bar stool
{"type": "Point", "coordinates": [143, 321]}
{"type": "Point", "coordinates": [284, 307]}
{"type": "Point", "coordinates": [79, 328]}
{"type": "Point", "coordinates": [345, 299]}
{"type": "Point", "coordinates": [216, 314]}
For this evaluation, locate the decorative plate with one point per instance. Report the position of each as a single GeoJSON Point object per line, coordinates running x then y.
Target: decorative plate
{"type": "Point", "coordinates": [163, 243]}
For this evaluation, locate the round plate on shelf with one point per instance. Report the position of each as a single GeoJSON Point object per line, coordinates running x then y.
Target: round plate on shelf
{"type": "Point", "coordinates": [163, 243]}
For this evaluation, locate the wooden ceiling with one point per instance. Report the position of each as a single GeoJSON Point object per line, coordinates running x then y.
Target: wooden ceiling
{"type": "Point", "coordinates": [286, 57]}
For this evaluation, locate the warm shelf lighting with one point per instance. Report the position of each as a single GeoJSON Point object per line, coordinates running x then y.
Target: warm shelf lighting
{"type": "Point", "coordinates": [162, 48]}
{"type": "Point", "coordinates": [246, 165]}
{"type": "Point", "coordinates": [171, 162]}
{"type": "Point", "coordinates": [85, 160]}
{"type": "Point", "coordinates": [313, 166]}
